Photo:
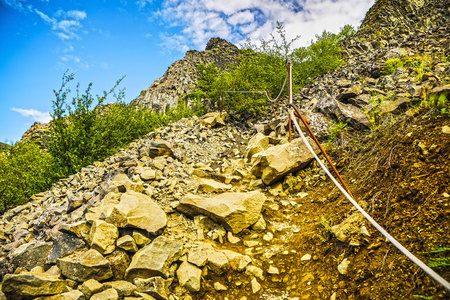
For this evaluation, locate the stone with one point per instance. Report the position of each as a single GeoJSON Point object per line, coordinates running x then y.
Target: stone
{"type": "Point", "coordinates": [119, 261]}
{"type": "Point", "coordinates": [260, 225]}
{"type": "Point", "coordinates": [137, 210]}
{"type": "Point", "coordinates": [255, 271]}
{"type": "Point", "coordinates": [256, 287]}
{"type": "Point", "coordinates": [63, 244]}
{"type": "Point", "coordinates": [72, 295]}
{"type": "Point", "coordinates": [27, 285]}
{"type": "Point", "coordinates": [148, 174]}
{"type": "Point", "coordinates": [199, 255]}
{"type": "Point", "coordinates": [103, 237]}
{"type": "Point", "coordinates": [350, 229]}
{"type": "Point", "coordinates": [343, 266]}
{"type": "Point", "coordinates": [344, 112]}
{"type": "Point", "coordinates": [213, 119]}
{"type": "Point", "coordinates": [213, 186]}
{"type": "Point", "coordinates": [123, 288]}
{"type": "Point", "coordinates": [32, 254]}
{"type": "Point", "coordinates": [237, 261]}
{"type": "Point", "coordinates": [217, 261]}
{"type": "Point", "coordinates": [109, 294]}
{"type": "Point", "coordinates": [154, 259]}
{"type": "Point", "coordinates": [156, 287]}
{"type": "Point", "coordinates": [74, 202]}
{"type": "Point", "coordinates": [90, 287]}
{"type": "Point", "coordinates": [235, 211]}
{"type": "Point", "coordinates": [232, 239]}
{"type": "Point", "coordinates": [81, 229]}
{"type": "Point", "coordinates": [189, 276]}
{"type": "Point", "coordinates": [160, 148]}
{"type": "Point", "coordinates": [446, 129]}
{"type": "Point", "coordinates": [83, 265]}
{"type": "Point", "coordinates": [306, 257]}
{"type": "Point", "coordinates": [258, 143]}
{"type": "Point", "coordinates": [351, 92]}
{"type": "Point", "coordinates": [140, 239]}
{"type": "Point", "coordinates": [278, 161]}
{"type": "Point", "coordinates": [273, 271]}
{"type": "Point", "coordinates": [127, 243]}
{"type": "Point", "coordinates": [219, 287]}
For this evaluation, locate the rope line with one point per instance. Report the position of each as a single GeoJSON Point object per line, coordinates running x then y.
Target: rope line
{"type": "Point", "coordinates": [405, 251]}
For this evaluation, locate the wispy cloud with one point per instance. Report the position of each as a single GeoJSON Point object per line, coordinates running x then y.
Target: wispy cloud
{"type": "Point", "coordinates": [36, 115]}
{"type": "Point", "coordinates": [236, 20]}
{"type": "Point", "coordinates": [143, 3]}
{"type": "Point", "coordinates": [65, 24]}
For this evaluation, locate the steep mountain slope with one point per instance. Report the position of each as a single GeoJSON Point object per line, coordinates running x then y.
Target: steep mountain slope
{"type": "Point", "coordinates": [181, 76]}
{"type": "Point", "coordinates": [194, 210]}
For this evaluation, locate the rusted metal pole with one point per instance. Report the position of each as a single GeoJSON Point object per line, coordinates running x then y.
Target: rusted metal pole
{"type": "Point", "coordinates": [305, 122]}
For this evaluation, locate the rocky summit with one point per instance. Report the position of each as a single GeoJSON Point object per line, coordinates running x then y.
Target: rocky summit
{"type": "Point", "coordinates": [212, 208]}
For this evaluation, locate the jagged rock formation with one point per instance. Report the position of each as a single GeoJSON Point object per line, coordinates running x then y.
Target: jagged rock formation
{"type": "Point", "coordinates": [181, 77]}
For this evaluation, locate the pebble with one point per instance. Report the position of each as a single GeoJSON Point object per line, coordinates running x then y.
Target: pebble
{"type": "Point", "coordinates": [306, 257]}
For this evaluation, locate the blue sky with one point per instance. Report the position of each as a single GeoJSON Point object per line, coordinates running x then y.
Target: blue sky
{"type": "Point", "coordinates": [104, 40]}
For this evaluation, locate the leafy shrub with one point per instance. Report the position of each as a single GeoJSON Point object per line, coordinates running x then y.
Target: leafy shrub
{"type": "Point", "coordinates": [263, 67]}
{"type": "Point", "coordinates": [85, 131]}
{"type": "Point", "coordinates": [391, 65]}
{"type": "Point", "coordinates": [25, 170]}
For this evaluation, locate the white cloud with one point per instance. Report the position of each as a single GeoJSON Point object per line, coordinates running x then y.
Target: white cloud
{"type": "Point", "coordinates": [36, 115]}
{"type": "Point", "coordinates": [143, 3]}
{"type": "Point", "coordinates": [65, 25]}
{"type": "Point", "coordinates": [236, 20]}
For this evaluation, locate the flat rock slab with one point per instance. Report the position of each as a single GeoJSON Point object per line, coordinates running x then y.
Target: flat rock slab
{"type": "Point", "coordinates": [28, 285]}
{"type": "Point", "coordinates": [235, 211]}
{"type": "Point", "coordinates": [31, 255]}
{"type": "Point", "coordinates": [83, 265]}
{"type": "Point", "coordinates": [64, 244]}
{"type": "Point", "coordinates": [137, 210]}
{"type": "Point", "coordinates": [154, 259]}
{"type": "Point", "coordinates": [276, 162]}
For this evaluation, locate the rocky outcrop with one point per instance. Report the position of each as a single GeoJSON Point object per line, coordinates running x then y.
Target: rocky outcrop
{"type": "Point", "coordinates": [181, 77]}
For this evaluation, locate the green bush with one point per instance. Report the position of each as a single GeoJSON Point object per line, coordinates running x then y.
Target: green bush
{"type": "Point", "coordinates": [263, 67]}
{"type": "Point", "coordinates": [84, 130]}
{"type": "Point", "coordinates": [25, 170]}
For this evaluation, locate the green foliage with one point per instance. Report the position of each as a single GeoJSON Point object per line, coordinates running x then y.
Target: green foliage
{"type": "Point", "coordinates": [440, 102]}
{"type": "Point", "coordinates": [423, 297]}
{"type": "Point", "coordinates": [337, 130]}
{"type": "Point", "coordinates": [25, 169]}
{"type": "Point", "coordinates": [438, 262]}
{"type": "Point", "coordinates": [391, 65]}
{"type": "Point", "coordinates": [197, 100]}
{"type": "Point", "coordinates": [82, 133]}
{"type": "Point", "coordinates": [263, 67]}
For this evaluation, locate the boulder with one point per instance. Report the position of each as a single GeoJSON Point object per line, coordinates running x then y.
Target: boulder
{"type": "Point", "coordinates": [235, 211]}
{"type": "Point", "coordinates": [213, 119]}
{"type": "Point", "coordinates": [83, 265]}
{"type": "Point", "coordinates": [189, 276]}
{"type": "Point", "coordinates": [351, 230]}
{"type": "Point", "coordinates": [91, 287]}
{"type": "Point", "coordinates": [127, 243]}
{"type": "Point", "coordinates": [109, 294]}
{"type": "Point", "coordinates": [154, 259]}
{"type": "Point", "coordinates": [344, 112]}
{"type": "Point", "coordinates": [159, 148]}
{"type": "Point", "coordinates": [81, 229]}
{"type": "Point", "coordinates": [137, 210]}
{"type": "Point", "coordinates": [237, 261]}
{"type": "Point", "coordinates": [103, 237]}
{"type": "Point", "coordinates": [32, 254]}
{"type": "Point", "coordinates": [278, 161]}
{"type": "Point", "coordinates": [27, 285]}
{"type": "Point", "coordinates": [63, 244]}
{"type": "Point", "coordinates": [123, 288]}
{"type": "Point", "coordinates": [119, 261]}
{"type": "Point", "coordinates": [213, 186]}
{"type": "Point", "coordinates": [156, 287]}
{"type": "Point", "coordinates": [258, 143]}
{"type": "Point", "coordinates": [351, 92]}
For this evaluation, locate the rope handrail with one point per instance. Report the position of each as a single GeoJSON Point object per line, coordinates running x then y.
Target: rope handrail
{"type": "Point", "coordinates": [399, 246]}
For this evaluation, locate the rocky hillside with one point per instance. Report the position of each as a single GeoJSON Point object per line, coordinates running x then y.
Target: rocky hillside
{"type": "Point", "coordinates": [181, 77]}
{"type": "Point", "coordinates": [214, 209]}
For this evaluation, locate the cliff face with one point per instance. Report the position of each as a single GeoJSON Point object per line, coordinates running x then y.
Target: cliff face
{"type": "Point", "coordinates": [181, 76]}
{"type": "Point", "coordinates": [390, 17]}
